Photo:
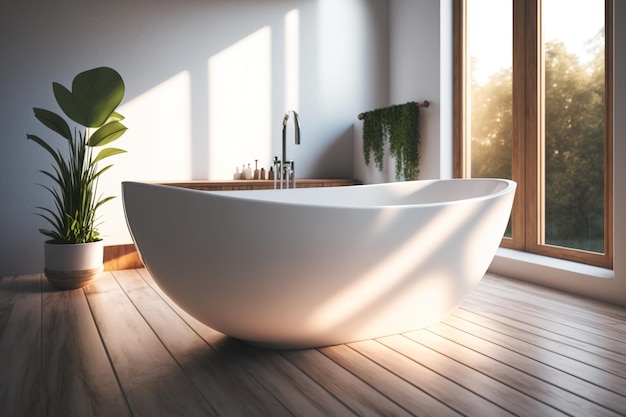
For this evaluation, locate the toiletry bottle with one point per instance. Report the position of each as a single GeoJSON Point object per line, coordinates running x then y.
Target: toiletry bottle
{"type": "Point", "coordinates": [256, 169]}
{"type": "Point", "coordinates": [270, 175]}
{"type": "Point", "coordinates": [248, 173]}
{"type": "Point", "coordinates": [262, 173]}
{"type": "Point", "coordinates": [237, 174]}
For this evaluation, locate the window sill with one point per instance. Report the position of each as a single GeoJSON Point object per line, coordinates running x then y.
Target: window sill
{"type": "Point", "coordinates": [524, 265]}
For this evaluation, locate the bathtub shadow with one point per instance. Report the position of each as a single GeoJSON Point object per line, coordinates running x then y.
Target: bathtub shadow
{"type": "Point", "coordinates": [237, 378]}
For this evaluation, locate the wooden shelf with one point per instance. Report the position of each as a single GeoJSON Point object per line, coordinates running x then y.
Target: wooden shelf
{"type": "Point", "coordinates": [227, 185]}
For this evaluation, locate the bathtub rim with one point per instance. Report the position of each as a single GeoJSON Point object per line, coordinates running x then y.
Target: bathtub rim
{"type": "Point", "coordinates": [249, 195]}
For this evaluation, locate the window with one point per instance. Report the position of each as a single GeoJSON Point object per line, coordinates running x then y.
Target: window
{"type": "Point", "coordinates": [533, 103]}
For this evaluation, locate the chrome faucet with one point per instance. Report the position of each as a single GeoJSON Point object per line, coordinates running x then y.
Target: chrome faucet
{"type": "Point", "coordinates": [284, 169]}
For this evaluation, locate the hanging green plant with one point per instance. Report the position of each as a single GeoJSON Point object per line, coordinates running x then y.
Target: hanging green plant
{"type": "Point", "coordinates": [399, 123]}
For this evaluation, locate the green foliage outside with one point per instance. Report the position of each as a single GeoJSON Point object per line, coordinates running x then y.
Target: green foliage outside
{"type": "Point", "coordinates": [574, 143]}
{"type": "Point", "coordinates": [75, 172]}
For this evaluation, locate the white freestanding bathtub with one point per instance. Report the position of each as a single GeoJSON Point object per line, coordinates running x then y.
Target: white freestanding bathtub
{"type": "Point", "coordinates": [319, 266]}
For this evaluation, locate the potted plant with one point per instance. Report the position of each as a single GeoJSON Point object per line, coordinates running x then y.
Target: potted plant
{"type": "Point", "coordinates": [74, 253]}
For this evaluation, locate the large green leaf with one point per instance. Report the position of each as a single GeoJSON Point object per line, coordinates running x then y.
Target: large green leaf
{"type": "Point", "coordinates": [105, 153]}
{"type": "Point", "coordinates": [115, 117]}
{"type": "Point", "coordinates": [104, 200]}
{"type": "Point", "coordinates": [68, 104]}
{"type": "Point", "coordinates": [95, 95]}
{"type": "Point", "coordinates": [54, 122]}
{"type": "Point", "coordinates": [107, 134]}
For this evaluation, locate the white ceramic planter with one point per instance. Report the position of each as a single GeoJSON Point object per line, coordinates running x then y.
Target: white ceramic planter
{"type": "Point", "coordinates": [69, 266]}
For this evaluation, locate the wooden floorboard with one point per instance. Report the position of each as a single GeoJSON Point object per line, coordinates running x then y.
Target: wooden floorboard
{"type": "Point", "coordinates": [154, 383]}
{"type": "Point", "coordinates": [589, 321]}
{"type": "Point", "coordinates": [491, 381]}
{"type": "Point", "coordinates": [350, 390]}
{"type": "Point", "coordinates": [21, 391]}
{"type": "Point", "coordinates": [121, 347]}
{"type": "Point", "coordinates": [215, 375]}
{"type": "Point", "coordinates": [451, 392]}
{"type": "Point", "coordinates": [538, 380]}
{"type": "Point", "coordinates": [73, 353]}
{"type": "Point", "coordinates": [542, 351]}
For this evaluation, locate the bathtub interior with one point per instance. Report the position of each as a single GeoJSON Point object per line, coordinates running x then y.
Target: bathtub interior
{"type": "Point", "coordinates": [422, 192]}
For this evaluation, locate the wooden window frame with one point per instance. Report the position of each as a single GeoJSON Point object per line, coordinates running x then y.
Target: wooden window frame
{"type": "Point", "coordinates": [527, 159]}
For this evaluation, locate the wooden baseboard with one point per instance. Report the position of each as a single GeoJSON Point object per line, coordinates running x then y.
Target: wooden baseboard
{"type": "Point", "coordinates": [121, 257]}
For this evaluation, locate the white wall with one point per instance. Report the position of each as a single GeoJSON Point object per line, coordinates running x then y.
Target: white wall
{"type": "Point", "coordinates": [208, 82]}
{"type": "Point", "coordinates": [420, 68]}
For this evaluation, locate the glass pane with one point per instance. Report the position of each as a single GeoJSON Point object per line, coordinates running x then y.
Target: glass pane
{"type": "Point", "coordinates": [574, 108]}
{"type": "Point", "coordinates": [490, 99]}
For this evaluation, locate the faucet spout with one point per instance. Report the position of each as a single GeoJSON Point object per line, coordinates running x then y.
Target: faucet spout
{"type": "Point", "coordinates": [296, 120]}
{"type": "Point", "coordinates": [287, 167]}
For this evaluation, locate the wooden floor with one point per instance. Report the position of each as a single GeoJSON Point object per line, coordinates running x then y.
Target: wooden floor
{"type": "Point", "coordinates": [121, 348]}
